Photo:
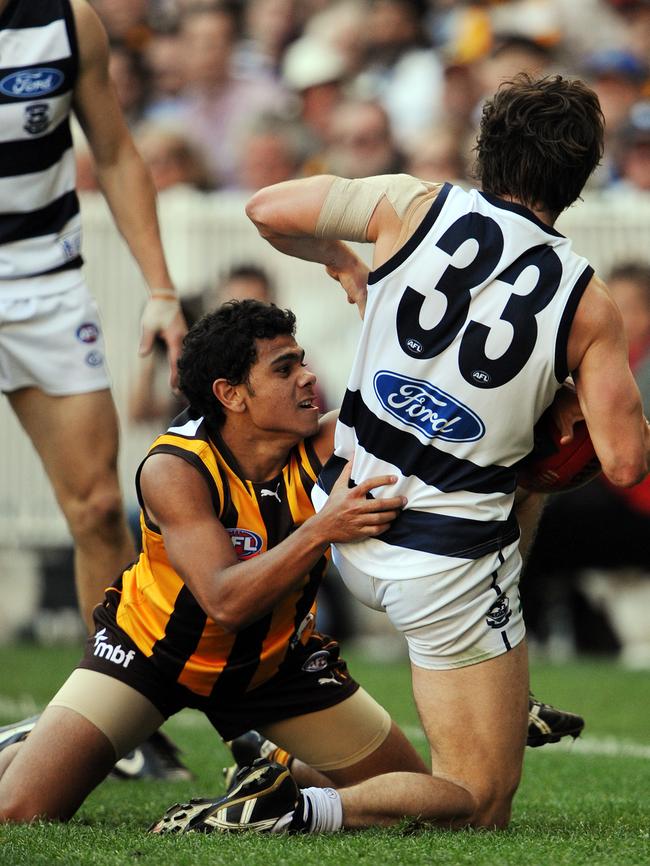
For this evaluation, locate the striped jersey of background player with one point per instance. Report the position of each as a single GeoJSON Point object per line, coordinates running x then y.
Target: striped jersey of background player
{"type": "Point", "coordinates": [54, 61]}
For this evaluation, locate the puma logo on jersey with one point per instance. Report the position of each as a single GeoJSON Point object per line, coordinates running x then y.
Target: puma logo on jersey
{"type": "Point", "coordinates": [275, 493]}
{"type": "Point", "coordinates": [115, 654]}
{"type": "Point", "coordinates": [328, 681]}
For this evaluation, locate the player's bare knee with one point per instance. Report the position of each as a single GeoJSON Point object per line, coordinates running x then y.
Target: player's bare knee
{"type": "Point", "coordinates": [494, 803]}
{"type": "Point", "coordinates": [21, 808]}
{"type": "Point", "coordinates": [98, 514]}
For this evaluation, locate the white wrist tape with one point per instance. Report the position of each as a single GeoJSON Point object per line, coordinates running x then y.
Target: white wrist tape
{"type": "Point", "coordinates": [350, 204]}
{"type": "Point", "coordinates": [159, 313]}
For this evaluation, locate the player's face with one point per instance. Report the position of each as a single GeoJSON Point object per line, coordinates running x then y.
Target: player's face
{"type": "Point", "coordinates": [281, 395]}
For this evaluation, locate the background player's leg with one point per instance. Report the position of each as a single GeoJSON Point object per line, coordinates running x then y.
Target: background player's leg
{"type": "Point", "coordinates": [76, 438]}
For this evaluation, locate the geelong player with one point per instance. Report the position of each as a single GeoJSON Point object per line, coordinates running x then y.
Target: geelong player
{"type": "Point", "coordinates": [54, 61]}
{"type": "Point", "coordinates": [475, 312]}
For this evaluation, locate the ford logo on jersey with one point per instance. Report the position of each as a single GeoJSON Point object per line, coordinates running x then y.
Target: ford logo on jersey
{"type": "Point", "coordinates": [31, 83]}
{"type": "Point", "coordinates": [420, 404]}
{"type": "Point", "coordinates": [245, 542]}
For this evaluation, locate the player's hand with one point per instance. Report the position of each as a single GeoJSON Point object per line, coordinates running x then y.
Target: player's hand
{"type": "Point", "coordinates": [162, 317]}
{"type": "Point", "coordinates": [350, 516]}
{"type": "Point", "coordinates": [354, 280]}
{"type": "Point", "coordinates": [566, 412]}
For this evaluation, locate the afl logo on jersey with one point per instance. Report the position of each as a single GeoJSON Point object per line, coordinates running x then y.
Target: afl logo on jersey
{"type": "Point", "coordinates": [245, 542]}
{"type": "Point", "coordinates": [425, 407]}
{"type": "Point", "coordinates": [481, 377]}
{"type": "Point", "coordinates": [31, 83]}
{"type": "Point", "coordinates": [88, 332]}
{"type": "Point", "coordinates": [414, 345]}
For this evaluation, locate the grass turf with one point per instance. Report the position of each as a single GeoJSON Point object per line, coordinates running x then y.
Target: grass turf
{"type": "Point", "coordinates": [575, 806]}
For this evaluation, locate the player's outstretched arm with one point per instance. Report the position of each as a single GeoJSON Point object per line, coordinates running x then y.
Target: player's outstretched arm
{"type": "Point", "coordinates": [287, 215]}
{"type": "Point", "coordinates": [609, 397]}
{"type": "Point", "coordinates": [125, 182]}
{"type": "Point", "coordinates": [234, 593]}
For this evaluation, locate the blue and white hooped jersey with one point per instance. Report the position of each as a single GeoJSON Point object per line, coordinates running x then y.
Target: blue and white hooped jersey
{"type": "Point", "coordinates": [463, 346]}
{"type": "Point", "coordinates": [40, 230]}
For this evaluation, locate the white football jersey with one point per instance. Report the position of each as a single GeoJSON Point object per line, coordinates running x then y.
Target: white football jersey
{"type": "Point", "coordinates": [40, 224]}
{"type": "Point", "coordinates": [463, 346]}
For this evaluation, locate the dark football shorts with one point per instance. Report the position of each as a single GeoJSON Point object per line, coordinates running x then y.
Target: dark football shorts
{"type": "Point", "coordinates": [312, 677]}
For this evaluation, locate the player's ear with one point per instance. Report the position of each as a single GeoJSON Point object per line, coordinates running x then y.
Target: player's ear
{"type": "Point", "coordinates": [230, 396]}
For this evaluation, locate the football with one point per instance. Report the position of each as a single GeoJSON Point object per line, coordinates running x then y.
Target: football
{"type": "Point", "coordinates": [553, 468]}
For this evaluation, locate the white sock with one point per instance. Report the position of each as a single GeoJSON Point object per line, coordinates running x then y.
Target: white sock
{"type": "Point", "coordinates": [326, 810]}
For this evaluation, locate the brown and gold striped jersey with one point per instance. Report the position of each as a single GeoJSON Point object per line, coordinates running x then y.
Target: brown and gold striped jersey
{"type": "Point", "coordinates": [157, 609]}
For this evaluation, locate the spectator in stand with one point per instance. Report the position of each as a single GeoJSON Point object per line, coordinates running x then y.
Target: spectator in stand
{"type": "Point", "coordinates": [361, 142]}
{"type": "Point", "coordinates": [618, 77]}
{"type": "Point", "coordinates": [129, 77]}
{"type": "Point", "coordinates": [216, 105]}
{"type": "Point", "coordinates": [315, 73]}
{"type": "Point", "coordinates": [173, 158]}
{"type": "Point", "coordinates": [633, 153]}
{"type": "Point", "coordinates": [511, 54]}
{"type": "Point", "coordinates": [636, 16]}
{"type": "Point", "coordinates": [271, 150]}
{"type": "Point", "coordinates": [438, 152]}
{"type": "Point", "coordinates": [163, 61]}
{"type": "Point", "coordinates": [126, 21]}
{"type": "Point", "coordinates": [629, 282]}
{"type": "Point", "coordinates": [269, 26]}
{"type": "Point", "coordinates": [400, 68]}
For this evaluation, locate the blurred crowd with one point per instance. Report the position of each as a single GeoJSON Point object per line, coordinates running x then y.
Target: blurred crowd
{"type": "Point", "coordinates": [238, 94]}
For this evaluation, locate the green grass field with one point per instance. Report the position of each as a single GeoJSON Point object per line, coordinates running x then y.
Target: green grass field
{"type": "Point", "coordinates": [588, 803]}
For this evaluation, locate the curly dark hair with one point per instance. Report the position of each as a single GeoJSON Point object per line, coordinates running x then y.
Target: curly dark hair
{"type": "Point", "coordinates": [221, 345]}
{"type": "Point", "coordinates": [539, 141]}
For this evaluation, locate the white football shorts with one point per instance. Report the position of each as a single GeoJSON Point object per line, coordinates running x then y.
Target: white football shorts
{"type": "Point", "coordinates": [459, 617]}
{"type": "Point", "coordinates": [52, 342]}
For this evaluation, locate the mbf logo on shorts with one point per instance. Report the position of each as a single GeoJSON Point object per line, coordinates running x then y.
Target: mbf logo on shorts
{"type": "Point", "coordinates": [31, 83]}
{"type": "Point", "coordinates": [246, 542]}
{"type": "Point", "coordinates": [500, 613]}
{"type": "Point", "coordinates": [425, 407]}
{"type": "Point", "coordinates": [115, 654]}
{"type": "Point", "coordinates": [88, 332]}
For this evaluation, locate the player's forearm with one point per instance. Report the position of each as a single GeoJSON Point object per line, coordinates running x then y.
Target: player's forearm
{"type": "Point", "coordinates": [247, 591]}
{"type": "Point", "coordinates": [129, 191]}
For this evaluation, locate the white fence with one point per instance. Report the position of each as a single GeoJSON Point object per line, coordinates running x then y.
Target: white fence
{"type": "Point", "coordinates": [204, 236]}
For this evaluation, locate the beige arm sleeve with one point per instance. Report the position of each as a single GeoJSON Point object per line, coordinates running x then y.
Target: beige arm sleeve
{"type": "Point", "coordinates": [350, 204]}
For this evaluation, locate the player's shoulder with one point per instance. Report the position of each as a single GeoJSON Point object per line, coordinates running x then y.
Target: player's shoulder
{"type": "Point", "coordinates": [91, 35]}
{"type": "Point", "coordinates": [597, 305]}
{"type": "Point", "coordinates": [597, 320]}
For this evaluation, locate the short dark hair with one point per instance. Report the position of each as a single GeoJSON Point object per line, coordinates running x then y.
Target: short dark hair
{"type": "Point", "coordinates": [221, 345]}
{"type": "Point", "coordinates": [539, 141]}
{"type": "Point", "coordinates": [247, 271]}
{"type": "Point", "coordinates": [633, 272]}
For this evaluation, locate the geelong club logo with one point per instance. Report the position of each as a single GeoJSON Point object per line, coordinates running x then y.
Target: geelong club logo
{"type": "Point", "coordinates": [421, 405]}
